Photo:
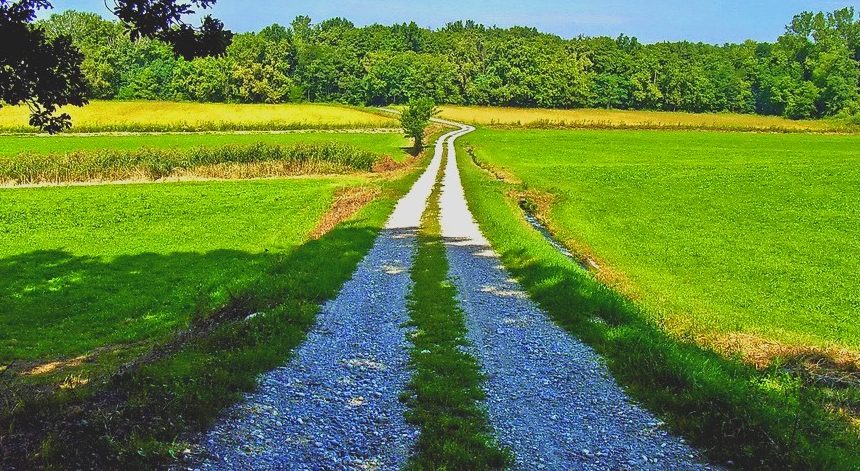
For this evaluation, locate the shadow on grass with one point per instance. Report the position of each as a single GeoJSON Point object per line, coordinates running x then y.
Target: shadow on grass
{"type": "Point", "coordinates": [56, 304]}
{"type": "Point", "coordinates": [136, 419]}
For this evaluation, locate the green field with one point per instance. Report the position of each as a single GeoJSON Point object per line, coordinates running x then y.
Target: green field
{"type": "Point", "coordinates": [382, 143]}
{"type": "Point", "coordinates": [791, 414]}
{"type": "Point", "coordinates": [715, 233]}
{"type": "Point", "coordinates": [86, 267]}
{"type": "Point", "coordinates": [106, 278]}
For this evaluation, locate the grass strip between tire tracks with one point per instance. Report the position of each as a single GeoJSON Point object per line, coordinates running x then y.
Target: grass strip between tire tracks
{"type": "Point", "coordinates": [766, 419]}
{"type": "Point", "coordinates": [444, 393]}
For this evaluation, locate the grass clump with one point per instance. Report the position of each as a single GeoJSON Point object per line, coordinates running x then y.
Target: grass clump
{"type": "Point", "coordinates": [444, 393]}
{"type": "Point", "coordinates": [230, 161]}
{"type": "Point", "coordinates": [759, 419]}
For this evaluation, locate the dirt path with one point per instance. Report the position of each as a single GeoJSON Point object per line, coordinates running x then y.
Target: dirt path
{"type": "Point", "coordinates": [550, 399]}
{"type": "Point", "coordinates": [336, 404]}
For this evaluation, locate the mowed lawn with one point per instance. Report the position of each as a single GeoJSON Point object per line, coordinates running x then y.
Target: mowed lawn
{"type": "Point", "coordinates": [393, 144]}
{"type": "Point", "coordinates": [158, 115]}
{"type": "Point", "coordinates": [103, 266]}
{"type": "Point", "coordinates": [539, 117]}
{"type": "Point", "coordinates": [714, 233]}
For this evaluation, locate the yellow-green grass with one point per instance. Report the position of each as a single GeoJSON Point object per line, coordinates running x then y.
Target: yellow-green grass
{"type": "Point", "coordinates": [785, 416]}
{"type": "Point", "coordinates": [716, 234]}
{"type": "Point", "coordinates": [392, 144]}
{"type": "Point", "coordinates": [599, 118]}
{"type": "Point", "coordinates": [188, 116]}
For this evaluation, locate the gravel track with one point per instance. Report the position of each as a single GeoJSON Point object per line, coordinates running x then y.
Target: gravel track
{"type": "Point", "coordinates": [336, 404]}
{"type": "Point", "coordinates": [550, 399]}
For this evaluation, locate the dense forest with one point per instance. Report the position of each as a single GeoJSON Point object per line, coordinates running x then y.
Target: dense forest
{"type": "Point", "coordinates": [810, 71]}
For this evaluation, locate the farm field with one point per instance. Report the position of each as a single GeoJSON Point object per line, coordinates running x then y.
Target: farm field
{"type": "Point", "coordinates": [123, 266]}
{"type": "Point", "coordinates": [382, 143]}
{"type": "Point", "coordinates": [739, 240]}
{"type": "Point", "coordinates": [187, 116]}
{"type": "Point", "coordinates": [599, 118]}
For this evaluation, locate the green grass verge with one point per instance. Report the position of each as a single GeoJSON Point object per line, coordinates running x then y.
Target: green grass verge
{"type": "Point", "coordinates": [139, 418]}
{"type": "Point", "coordinates": [759, 419]}
{"type": "Point", "coordinates": [380, 143]}
{"type": "Point", "coordinates": [444, 393]}
{"type": "Point", "coordinates": [256, 160]}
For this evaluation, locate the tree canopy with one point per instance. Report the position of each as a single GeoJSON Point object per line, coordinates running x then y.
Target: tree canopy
{"type": "Point", "coordinates": [42, 66]}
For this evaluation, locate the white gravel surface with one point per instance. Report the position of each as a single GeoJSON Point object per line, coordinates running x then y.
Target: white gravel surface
{"type": "Point", "coordinates": [550, 399]}
{"type": "Point", "coordinates": [336, 404]}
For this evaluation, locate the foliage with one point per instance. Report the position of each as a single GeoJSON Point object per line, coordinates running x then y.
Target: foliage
{"type": "Point", "coordinates": [35, 70]}
{"type": "Point", "coordinates": [415, 119]}
{"type": "Point", "coordinates": [811, 71]}
{"type": "Point", "coordinates": [48, 72]}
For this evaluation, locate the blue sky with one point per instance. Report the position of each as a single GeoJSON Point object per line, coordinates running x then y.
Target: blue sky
{"type": "Point", "coordinates": [713, 21]}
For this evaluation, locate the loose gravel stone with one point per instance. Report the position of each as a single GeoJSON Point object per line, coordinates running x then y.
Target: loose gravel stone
{"type": "Point", "coordinates": [550, 399]}
{"type": "Point", "coordinates": [336, 404]}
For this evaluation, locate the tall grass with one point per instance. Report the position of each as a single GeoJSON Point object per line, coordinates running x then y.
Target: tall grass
{"type": "Point", "coordinates": [628, 119]}
{"type": "Point", "coordinates": [159, 116]}
{"type": "Point", "coordinates": [231, 161]}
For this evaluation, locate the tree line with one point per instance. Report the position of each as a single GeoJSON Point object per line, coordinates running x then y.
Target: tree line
{"type": "Point", "coordinates": [811, 71]}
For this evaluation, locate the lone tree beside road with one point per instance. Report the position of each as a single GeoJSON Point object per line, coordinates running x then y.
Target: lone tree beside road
{"type": "Point", "coordinates": [416, 117]}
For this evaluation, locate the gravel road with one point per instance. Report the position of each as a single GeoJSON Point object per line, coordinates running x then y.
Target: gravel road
{"type": "Point", "coordinates": [549, 397]}
{"type": "Point", "coordinates": [336, 404]}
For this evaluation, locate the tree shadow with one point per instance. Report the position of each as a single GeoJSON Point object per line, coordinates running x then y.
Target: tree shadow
{"type": "Point", "coordinates": [56, 304]}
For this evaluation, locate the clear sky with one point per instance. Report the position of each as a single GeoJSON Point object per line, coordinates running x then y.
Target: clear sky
{"type": "Point", "coordinates": [713, 21]}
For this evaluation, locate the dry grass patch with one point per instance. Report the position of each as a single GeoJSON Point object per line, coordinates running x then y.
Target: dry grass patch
{"type": "Point", "coordinates": [347, 203]}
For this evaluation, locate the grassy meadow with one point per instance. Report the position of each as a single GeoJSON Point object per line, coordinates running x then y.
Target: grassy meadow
{"type": "Point", "coordinates": [84, 268]}
{"type": "Point", "coordinates": [679, 207]}
{"type": "Point", "coordinates": [743, 238]}
{"type": "Point", "coordinates": [600, 118]}
{"type": "Point", "coordinates": [133, 116]}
